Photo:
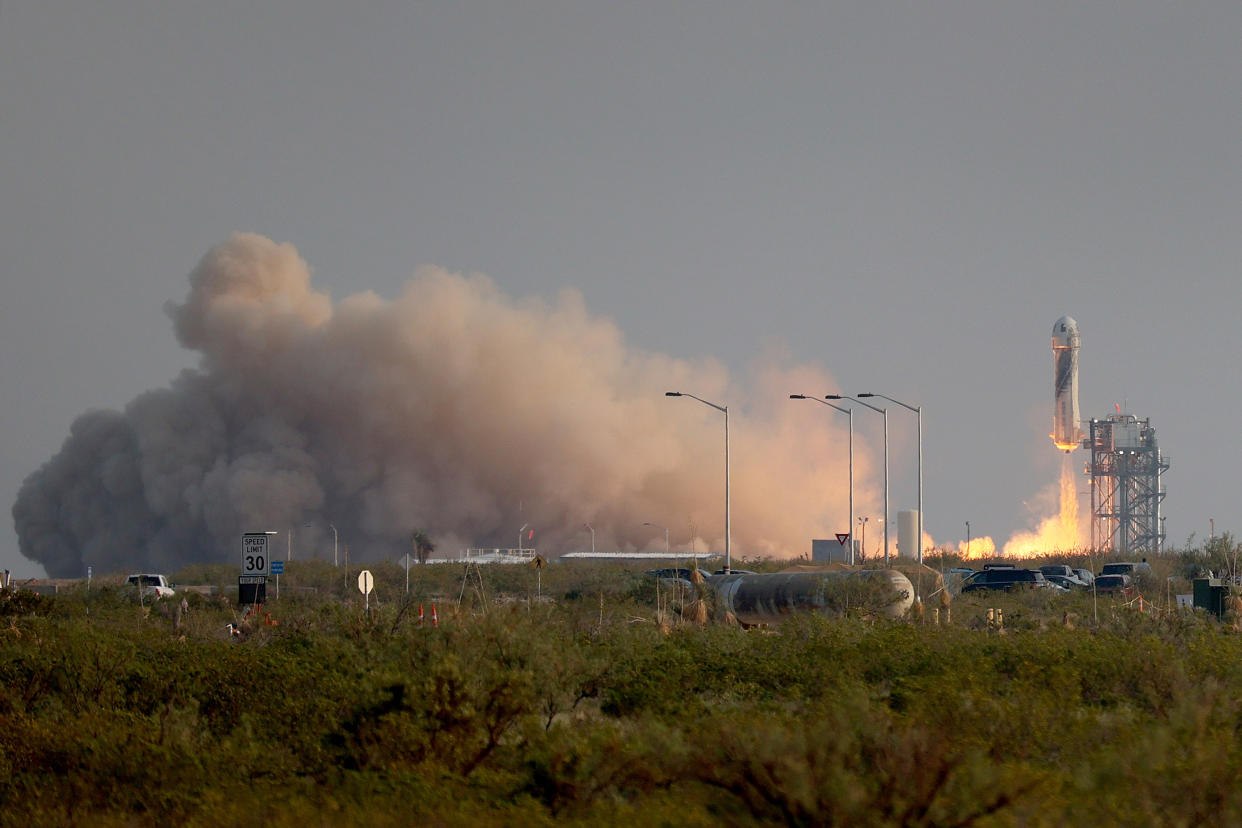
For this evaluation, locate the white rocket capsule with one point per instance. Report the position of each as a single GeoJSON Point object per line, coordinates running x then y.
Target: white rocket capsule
{"type": "Point", "coordinates": [1065, 384]}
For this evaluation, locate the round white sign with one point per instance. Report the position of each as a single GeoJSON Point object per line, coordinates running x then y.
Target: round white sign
{"type": "Point", "coordinates": [365, 582]}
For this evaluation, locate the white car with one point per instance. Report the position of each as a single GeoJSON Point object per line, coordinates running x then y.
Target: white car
{"type": "Point", "coordinates": [152, 585]}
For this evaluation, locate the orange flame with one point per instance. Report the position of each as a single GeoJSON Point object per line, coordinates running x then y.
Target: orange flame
{"type": "Point", "coordinates": [1057, 532]}
{"type": "Point", "coordinates": [983, 547]}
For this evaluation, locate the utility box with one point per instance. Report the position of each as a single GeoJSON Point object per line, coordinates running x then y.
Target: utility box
{"type": "Point", "coordinates": [830, 551]}
{"type": "Point", "coordinates": [1210, 594]}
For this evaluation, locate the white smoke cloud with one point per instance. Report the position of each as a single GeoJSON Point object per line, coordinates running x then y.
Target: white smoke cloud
{"type": "Point", "coordinates": [452, 409]}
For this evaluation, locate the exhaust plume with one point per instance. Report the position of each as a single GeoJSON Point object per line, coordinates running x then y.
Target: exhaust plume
{"type": "Point", "coordinates": [452, 409]}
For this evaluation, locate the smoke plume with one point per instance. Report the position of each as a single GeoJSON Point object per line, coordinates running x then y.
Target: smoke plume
{"type": "Point", "coordinates": [451, 409]}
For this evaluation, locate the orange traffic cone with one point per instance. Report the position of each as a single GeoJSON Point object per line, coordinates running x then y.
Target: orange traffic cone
{"type": "Point", "coordinates": [1140, 603]}
{"type": "Point", "coordinates": [420, 615]}
{"type": "Point", "coordinates": [435, 619]}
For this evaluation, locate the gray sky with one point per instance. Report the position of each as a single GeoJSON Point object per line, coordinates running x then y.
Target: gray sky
{"type": "Point", "coordinates": [905, 195]}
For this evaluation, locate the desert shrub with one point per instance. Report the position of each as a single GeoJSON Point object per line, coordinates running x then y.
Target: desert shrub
{"type": "Point", "coordinates": [17, 602]}
{"type": "Point", "coordinates": [584, 711]}
{"type": "Point", "coordinates": [850, 762]}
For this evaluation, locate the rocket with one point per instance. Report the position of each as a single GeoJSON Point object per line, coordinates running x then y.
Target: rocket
{"type": "Point", "coordinates": [1065, 384]}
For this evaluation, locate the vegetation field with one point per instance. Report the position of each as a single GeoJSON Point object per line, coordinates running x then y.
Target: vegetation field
{"type": "Point", "coordinates": [576, 696]}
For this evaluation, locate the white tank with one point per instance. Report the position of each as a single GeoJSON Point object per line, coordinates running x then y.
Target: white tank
{"type": "Point", "coordinates": [770, 598]}
{"type": "Point", "coordinates": [1065, 343]}
{"type": "Point", "coordinates": [907, 532]}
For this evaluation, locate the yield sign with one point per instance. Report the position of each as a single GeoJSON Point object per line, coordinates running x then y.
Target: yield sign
{"type": "Point", "coordinates": [842, 537]}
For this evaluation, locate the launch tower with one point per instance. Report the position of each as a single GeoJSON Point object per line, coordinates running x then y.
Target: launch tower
{"type": "Point", "coordinates": [1126, 492]}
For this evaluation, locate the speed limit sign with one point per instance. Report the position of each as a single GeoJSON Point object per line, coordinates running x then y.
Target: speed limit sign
{"type": "Point", "coordinates": [255, 560]}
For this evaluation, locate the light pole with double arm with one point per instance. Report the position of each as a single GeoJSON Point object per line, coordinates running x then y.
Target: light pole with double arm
{"type": "Point", "coordinates": [918, 411]}
{"type": "Point", "coordinates": [850, 412]}
{"type": "Point", "coordinates": [883, 411]}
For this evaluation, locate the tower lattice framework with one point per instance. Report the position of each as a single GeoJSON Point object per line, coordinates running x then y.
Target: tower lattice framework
{"type": "Point", "coordinates": [1126, 490]}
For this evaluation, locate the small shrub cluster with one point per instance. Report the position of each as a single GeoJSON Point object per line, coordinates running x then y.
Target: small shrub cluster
{"type": "Point", "coordinates": [583, 710]}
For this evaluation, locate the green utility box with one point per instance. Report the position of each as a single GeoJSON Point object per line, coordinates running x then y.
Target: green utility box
{"type": "Point", "coordinates": [1210, 595]}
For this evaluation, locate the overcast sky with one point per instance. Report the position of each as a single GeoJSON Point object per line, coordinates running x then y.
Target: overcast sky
{"type": "Point", "coordinates": [907, 195]}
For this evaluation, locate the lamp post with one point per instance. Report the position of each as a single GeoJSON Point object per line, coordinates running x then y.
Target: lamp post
{"type": "Point", "coordinates": [588, 526]}
{"type": "Point", "coordinates": [883, 411]}
{"type": "Point", "coordinates": [520, 531]}
{"type": "Point", "coordinates": [724, 409]}
{"type": "Point", "coordinates": [968, 539]}
{"type": "Point", "coordinates": [335, 545]}
{"type": "Point", "coordinates": [665, 528]}
{"type": "Point", "coordinates": [862, 541]}
{"type": "Point", "coordinates": [918, 411]}
{"type": "Point", "coordinates": [289, 540]}
{"type": "Point", "coordinates": [850, 412]}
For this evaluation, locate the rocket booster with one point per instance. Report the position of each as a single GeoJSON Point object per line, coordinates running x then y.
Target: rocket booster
{"type": "Point", "coordinates": [1065, 384]}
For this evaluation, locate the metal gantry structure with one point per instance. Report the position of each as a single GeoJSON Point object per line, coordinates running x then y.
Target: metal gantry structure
{"type": "Point", "coordinates": [1126, 491]}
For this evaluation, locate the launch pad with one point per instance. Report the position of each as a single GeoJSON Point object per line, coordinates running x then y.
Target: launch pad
{"type": "Point", "coordinates": [1126, 491]}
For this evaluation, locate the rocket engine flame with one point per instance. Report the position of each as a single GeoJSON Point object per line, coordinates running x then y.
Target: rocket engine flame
{"type": "Point", "coordinates": [1058, 532]}
{"type": "Point", "coordinates": [451, 409]}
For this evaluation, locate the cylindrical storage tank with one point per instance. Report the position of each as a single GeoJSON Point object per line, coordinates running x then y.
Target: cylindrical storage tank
{"type": "Point", "coordinates": [907, 534]}
{"type": "Point", "coordinates": [771, 598]}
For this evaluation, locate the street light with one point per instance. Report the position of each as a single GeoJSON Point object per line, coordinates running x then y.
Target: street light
{"type": "Point", "coordinates": [335, 544]}
{"type": "Point", "coordinates": [850, 412]}
{"type": "Point", "coordinates": [520, 532]}
{"type": "Point", "coordinates": [289, 541]}
{"type": "Point", "coordinates": [883, 411]}
{"type": "Point", "coordinates": [665, 528]}
{"type": "Point", "coordinates": [862, 542]}
{"type": "Point", "coordinates": [968, 539]}
{"type": "Point", "coordinates": [918, 410]}
{"type": "Point", "coordinates": [588, 526]}
{"type": "Point", "coordinates": [728, 567]}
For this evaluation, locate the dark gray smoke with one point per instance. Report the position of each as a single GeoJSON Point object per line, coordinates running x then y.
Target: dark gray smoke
{"type": "Point", "coordinates": [452, 409]}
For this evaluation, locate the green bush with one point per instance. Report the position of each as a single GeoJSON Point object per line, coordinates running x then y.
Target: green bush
{"type": "Point", "coordinates": [584, 710]}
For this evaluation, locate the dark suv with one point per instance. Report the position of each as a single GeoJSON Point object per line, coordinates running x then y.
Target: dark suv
{"type": "Point", "coordinates": [1134, 570]}
{"type": "Point", "coordinates": [1007, 578]}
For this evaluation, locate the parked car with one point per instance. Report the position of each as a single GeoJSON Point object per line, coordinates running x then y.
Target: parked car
{"type": "Point", "coordinates": [1006, 578]}
{"type": "Point", "coordinates": [1085, 576]}
{"type": "Point", "coordinates": [1057, 569]}
{"type": "Point", "coordinates": [1065, 581]}
{"type": "Point", "coordinates": [1134, 570]}
{"type": "Point", "coordinates": [151, 585]}
{"type": "Point", "coordinates": [1121, 584]}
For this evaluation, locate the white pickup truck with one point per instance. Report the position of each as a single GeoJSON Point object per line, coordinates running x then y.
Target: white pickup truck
{"type": "Point", "coordinates": [151, 585]}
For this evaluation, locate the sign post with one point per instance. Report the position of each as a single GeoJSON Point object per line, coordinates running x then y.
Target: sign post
{"type": "Point", "coordinates": [278, 569]}
{"type": "Point", "coordinates": [365, 583]}
{"type": "Point", "coordinates": [255, 567]}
